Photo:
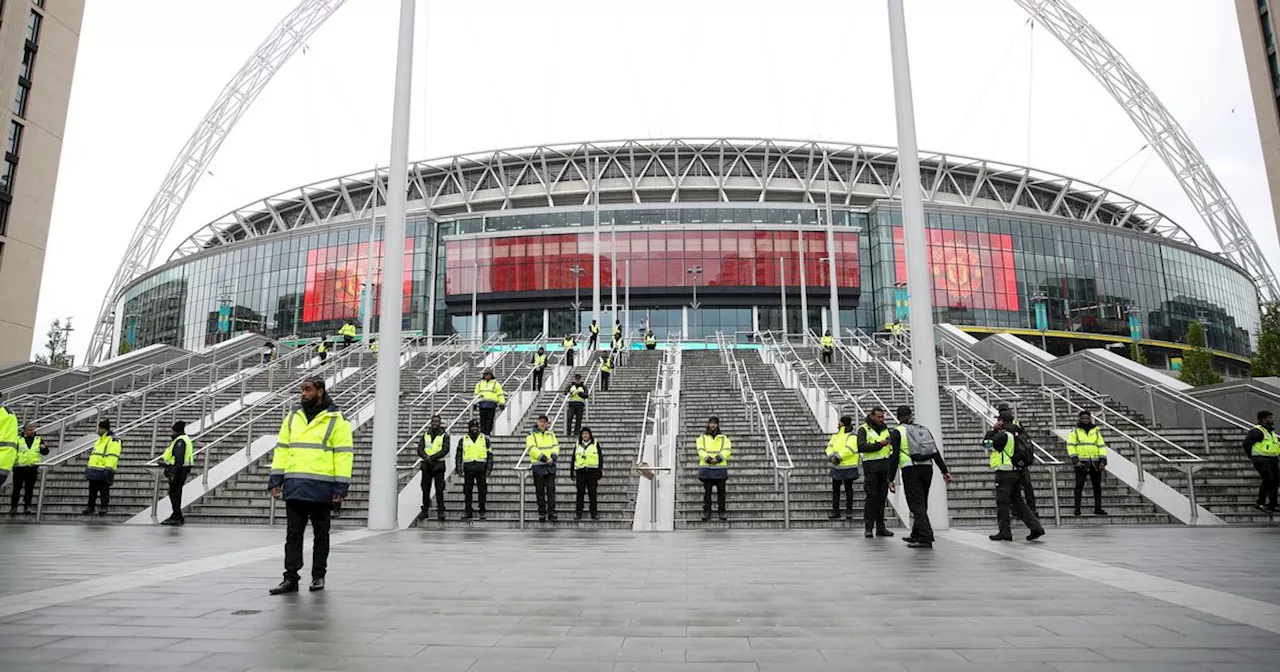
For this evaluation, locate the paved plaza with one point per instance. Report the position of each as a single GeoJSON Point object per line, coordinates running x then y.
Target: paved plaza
{"type": "Point", "coordinates": [1166, 599]}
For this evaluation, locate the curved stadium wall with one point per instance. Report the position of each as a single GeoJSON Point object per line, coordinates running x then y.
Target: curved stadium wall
{"type": "Point", "coordinates": [508, 226]}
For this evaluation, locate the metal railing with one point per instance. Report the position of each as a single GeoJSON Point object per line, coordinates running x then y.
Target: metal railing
{"type": "Point", "coordinates": [767, 422]}
{"type": "Point", "coordinates": [665, 412]}
{"type": "Point", "coordinates": [522, 467]}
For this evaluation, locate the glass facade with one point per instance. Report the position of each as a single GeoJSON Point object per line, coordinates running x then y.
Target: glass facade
{"type": "Point", "coordinates": [990, 269]}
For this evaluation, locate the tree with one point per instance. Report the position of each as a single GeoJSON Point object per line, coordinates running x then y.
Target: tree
{"type": "Point", "coordinates": [1136, 354]}
{"type": "Point", "coordinates": [55, 346]}
{"type": "Point", "coordinates": [1197, 363]}
{"type": "Point", "coordinates": [1266, 362]}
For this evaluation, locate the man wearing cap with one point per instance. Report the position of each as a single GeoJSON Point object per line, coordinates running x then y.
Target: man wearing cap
{"type": "Point", "coordinates": [489, 398]}
{"type": "Point", "coordinates": [8, 442]}
{"type": "Point", "coordinates": [1020, 435]}
{"type": "Point", "coordinates": [539, 367]}
{"type": "Point", "coordinates": [101, 469]}
{"type": "Point", "coordinates": [475, 461]}
{"type": "Point", "coordinates": [714, 450]}
{"type": "Point", "coordinates": [177, 460]}
{"type": "Point", "coordinates": [25, 469]}
{"type": "Point", "coordinates": [311, 470]}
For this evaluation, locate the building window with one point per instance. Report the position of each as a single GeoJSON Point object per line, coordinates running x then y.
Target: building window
{"type": "Point", "coordinates": [38, 3]}
{"type": "Point", "coordinates": [20, 101]}
{"type": "Point", "coordinates": [8, 170]}
{"type": "Point", "coordinates": [33, 27]}
{"type": "Point", "coordinates": [4, 218]}
{"type": "Point", "coordinates": [28, 63]}
{"type": "Point", "coordinates": [15, 138]}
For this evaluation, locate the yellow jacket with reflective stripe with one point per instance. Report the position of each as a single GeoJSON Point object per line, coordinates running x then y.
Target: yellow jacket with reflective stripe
{"type": "Point", "coordinates": [828, 342]}
{"type": "Point", "coordinates": [1269, 446]}
{"type": "Point", "coordinates": [650, 339]}
{"type": "Point", "coordinates": [1086, 445]}
{"type": "Point", "coordinates": [348, 330]}
{"type": "Point", "coordinates": [28, 456]}
{"type": "Point", "coordinates": [540, 359]}
{"type": "Point", "coordinates": [844, 445]}
{"type": "Point", "coordinates": [567, 343]}
{"type": "Point", "coordinates": [606, 363]}
{"type": "Point", "coordinates": [586, 456]}
{"type": "Point", "coordinates": [542, 443]}
{"type": "Point", "coordinates": [8, 440]}
{"type": "Point", "coordinates": [490, 390]}
{"type": "Point", "coordinates": [185, 452]}
{"type": "Point", "coordinates": [103, 459]}
{"type": "Point", "coordinates": [709, 446]}
{"type": "Point", "coordinates": [1001, 459]}
{"type": "Point", "coordinates": [475, 450]}
{"type": "Point", "coordinates": [874, 436]}
{"type": "Point", "coordinates": [313, 459]}
{"type": "Point", "coordinates": [595, 329]}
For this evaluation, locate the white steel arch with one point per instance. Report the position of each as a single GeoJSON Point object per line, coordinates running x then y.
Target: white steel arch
{"type": "Point", "coordinates": [1162, 133]}
{"type": "Point", "coordinates": [284, 40]}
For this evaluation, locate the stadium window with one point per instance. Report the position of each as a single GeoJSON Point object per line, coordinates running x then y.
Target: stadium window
{"type": "Point", "coordinates": [7, 174]}
{"type": "Point", "coordinates": [33, 27]}
{"type": "Point", "coordinates": [38, 3]}
{"type": "Point", "coordinates": [15, 138]}
{"type": "Point", "coordinates": [4, 217]}
{"type": "Point", "coordinates": [28, 64]}
{"type": "Point", "coordinates": [20, 101]}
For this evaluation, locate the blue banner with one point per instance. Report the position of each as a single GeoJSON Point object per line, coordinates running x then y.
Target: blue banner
{"type": "Point", "coordinates": [132, 338]}
{"type": "Point", "coordinates": [1042, 316]}
{"type": "Point", "coordinates": [224, 318]}
{"type": "Point", "coordinates": [363, 297]}
{"type": "Point", "coordinates": [1135, 327]}
{"type": "Point", "coordinates": [901, 305]}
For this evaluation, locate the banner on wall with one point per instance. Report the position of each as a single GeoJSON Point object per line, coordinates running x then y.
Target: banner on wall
{"type": "Point", "coordinates": [1042, 316]}
{"type": "Point", "coordinates": [224, 318]}
{"type": "Point", "coordinates": [335, 282]}
{"type": "Point", "coordinates": [970, 270]}
{"type": "Point", "coordinates": [1135, 327]}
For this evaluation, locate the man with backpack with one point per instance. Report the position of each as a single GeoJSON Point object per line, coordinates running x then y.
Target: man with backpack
{"type": "Point", "coordinates": [1020, 436]}
{"type": "Point", "coordinates": [1007, 460]}
{"type": "Point", "coordinates": [917, 453]}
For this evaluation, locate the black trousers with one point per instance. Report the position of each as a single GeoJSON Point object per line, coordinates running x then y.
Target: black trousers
{"type": "Point", "coordinates": [347, 341]}
{"type": "Point", "coordinates": [593, 341]}
{"type": "Point", "coordinates": [916, 480]}
{"type": "Point", "coordinates": [650, 346]}
{"type": "Point", "coordinates": [544, 489]}
{"type": "Point", "coordinates": [99, 490]}
{"type": "Point", "coordinates": [432, 477]}
{"type": "Point", "coordinates": [573, 422]}
{"type": "Point", "coordinates": [1029, 491]}
{"type": "Point", "coordinates": [24, 483]}
{"type": "Point", "coordinates": [487, 414]}
{"type": "Point", "coordinates": [568, 357]}
{"type": "Point", "coordinates": [537, 378]}
{"type": "Point", "coordinates": [477, 481]}
{"type": "Point", "coordinates": [176, 481]}
{"type": "Point", "coordinates": [1268, 468]}
{"type": "Point", "coordinates": [876, 486]}
{"type": "Point", "coordinates": [588, 484]}
{"type": "Point", "coordinates": [719, 485]}
{"type": "Point", "coordinates": [323, 356]}
{"type": "Point", "coordinates": [604, 380]}
{"type": "Point", "coordinates": [1089, 471]}
{"type": "Point", "coordinates": [300, 512]}
{"type": "Point", "coordinates": [836, 484]}
{"type": "Point", "coordinates": [1009, 502]}
{"type": "Point", "coordinates": [826, 355]}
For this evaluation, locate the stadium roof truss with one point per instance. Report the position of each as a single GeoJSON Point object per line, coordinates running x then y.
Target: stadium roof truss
{"type": "Point", "coordinates": [685, 170]}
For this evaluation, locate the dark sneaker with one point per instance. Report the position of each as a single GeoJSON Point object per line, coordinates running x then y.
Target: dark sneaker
{"type": "Point", "coordinates": [1001, 536]}
{"type": "Point", "coordinates": [595, 515]}
{"type": "Point", "coordinates": [920, 544]}
{"type": "Point", "coordinates": [285, 586]}
{"type": "Point", "coordinates": [869, 534]}
{"type": "Point", "coordinates": [706, 515]}
{"type": "Point", "coordinates": [87, 511]}
{"type": "Point", "coordinates": [909, 540]}
{"type": "Point", "coordinates": [316, 584]}
{"type": "Point", "coordinates": [722, 515]}
{"type": "Point", "coordinates": [883, 533]}
{"type": "Point", "coordinates": [1035, 534]}
{"type": "Point", "coordinates": [468, 516]}
{"type": "Point", "coordinates": [835, 515]}
{"type": "Point", "coordinates": [1076, 512]}
{"type": "Point", "coordinates": [1099, 512]}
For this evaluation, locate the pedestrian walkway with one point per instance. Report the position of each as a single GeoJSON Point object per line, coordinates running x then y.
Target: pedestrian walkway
{"type": "Point", "coordinates": [1088, 600]}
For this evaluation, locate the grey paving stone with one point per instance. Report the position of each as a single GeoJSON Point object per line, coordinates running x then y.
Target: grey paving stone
{"type": "Point", "coordinates": [1174, 655]}
{"type": "Point", "coordinates": [486, 653]}
{"type": "Point", "coordinates": [620, 655]}
{"type": "Point", "coordinates": [686, 642]}
{"type": "Point", "coordinates": [169, 659]}
{"type": "Point", "coordinates": [1011, 655]}
{"type": "Point", "coordinates": [112, 643]}
{"type": "Point", "coordinates": [703, 655]}
{"type": "Point", "coordinates": [685, 667]}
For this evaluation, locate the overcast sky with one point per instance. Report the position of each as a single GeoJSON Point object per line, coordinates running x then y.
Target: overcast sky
{"type": "Point", "coordinates": [507, 73]}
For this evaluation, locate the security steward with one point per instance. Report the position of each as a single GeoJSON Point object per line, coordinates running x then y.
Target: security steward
{"type": "Point", "coordinates": [842, 451]}
{"type": "Point", "coordinates": [617, 336]}
{"type": "Point", "coordinates": [568, 344]}
{"type": "Point", "coordinates": [594, 341]}
{"type": "Point", "coordinates": [433, 448]}
{"type": "Point", "coordinates": [311, 470]}
{"type": "Point", "coordinates": [475, 460]}
{"type": "Point", "coordinates": [1263, 449]}
{"type": "Point", "coordinates": [650, 341]}
{"type": "Point", "coordinates": [101, 469]}
{"type": "Point", "coordinates": [1088, 452]}
{"type": "Point", "coordinates": [322, 350]}
{"type": "Point", "coordinates": [714, 451]}
{"type": "Point", "coordinates": [1020, 435]}
{"type": "Point", "coordinates": [606, 370]}
{"type": "Point", "coordinates": [348, 334]}
{"type": "Point", "coordinates": [489, 399]}
{"type": "Point", "coordinates": [916, 463]}
{"type": "Point", "coordinates": [539, 367]}
{"type": "Point", "coordinates": [544, 450]}
{"type": "Point", "coordinates": [26, 467]}
{"type": "Point", "coordinates": [880, 464]}
{"type": "Point", "coordinates": [586, 470]}
{"type": "Point", "coordinates": [828, 347]}
{"type": "Point", "coordinates": [177, 459]}
{"type": "Point", "coordinates": [8, 442]}
{"type": "Point", "coordinates": [1007, 461]}
{"type": "Point", "coordinates": [578, 396]}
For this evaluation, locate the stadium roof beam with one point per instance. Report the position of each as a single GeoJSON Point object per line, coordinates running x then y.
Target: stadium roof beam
{"type": "Point", "coordinates": [1162, 132]}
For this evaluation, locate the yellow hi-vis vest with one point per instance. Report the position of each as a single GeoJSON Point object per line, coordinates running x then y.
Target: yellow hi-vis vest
{"type": "Point", "coordinates": [606, 364]}
{"type": "Point", "coordinates": [542, 443]}
{"type": "Point", "coordinates": [184, 458]}
{"type": "Point", "coordinates": [28, 456]}
{"type": "Point", "coordinates": [490, 390]}
{"type": "Point", "coordinates": [373, 346]}
{"type": "Point", "coordinates": [828, 343]}
{"type": "Point", "coordinates": [1268, 446]}
{"type": "Point", "coordinates": [1086, 445]}
{"type": "Point", "coordinates": [105, 453]}
{"type": "Point", "coordinates": [320, 347]}
{"type": "Point", "coordinates": [434, 445]}
{"type": "Point", "coordinates": [321, 450]}
{"type": "Point", "coordinates": [8, 440]}
{"type": "Point", "coordinates": [348, 330]}
{"type": "Point", "coordinates": [710, 447]}
{"type": "Point", "coordinates": [540, 360]}
{"type": "Point", "coordinates": [650, 339]}
{"type": "Point", "coordinates": [844, 445]}
{"type": "Point", "coordinates": [904, 450]}
{"type": "Point", "coordinates": [475, 450]}
{"type": "Point", "coordinates": [875, 437]}
{"type": "Point", "coordinates": [586, 457]}
{"type": "Point", "coordinates": [1002, 458]}
{"type": "Point", "coordinates": [595, 329]}
{"type": "Point", "coordinates": [568, 343]}
{"type": "Point", "coordinates": [576, 391]}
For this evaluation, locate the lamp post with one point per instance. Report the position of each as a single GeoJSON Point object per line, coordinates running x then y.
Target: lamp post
{"type": "Point", "coordinates": [477, 332]}
{"type": "Point", "coordinates": [694, 271]}
{"type": "Point", "coordinates": [782, 286]}
{"type": "Point", "coordinates": [804, 292]}
{"type": "Point", "coordinates": [1040, 302]}
{"type": "Point", "coordinates": [577, 272]}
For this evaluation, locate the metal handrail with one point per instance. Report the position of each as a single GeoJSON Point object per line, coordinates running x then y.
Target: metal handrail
{"type": "Point", "coordinates": [1190, 456]}
{"type": "Point", "coordinates": [466, 412]}
{"type": "Point", "coordinates": [559, 403]}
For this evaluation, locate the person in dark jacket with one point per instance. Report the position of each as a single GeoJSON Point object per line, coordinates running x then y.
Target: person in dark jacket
{"type": "Point", "coordinates": [1261, 445]}
{"type": "Point", "coordinates": [1007, 461]}
{"type": "Point", "coordinates": [714, 451]}
{"type": "Point", "coordinates": [539, 367]}
{"type": "Point", "coordinates": [177, 458]}
{"type": "Point", "coordinates": [1020, 434]}
{"type": "Point", "coordinates": [474, 459]}
{"type": "Point", "coordinates": [433, 449]}
{"type": "Point", "coordinates": [917, 475]}
{"type": "Point", "coordinates": [26, 468]}
{"type": "Point", "coordinates": [880, 466]}
{"type": "Point", "coordinates": [585, 470]}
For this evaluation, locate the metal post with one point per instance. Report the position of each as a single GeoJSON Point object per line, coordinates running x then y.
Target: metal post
{"type": "Point", "coordinates": [155, 496]}
{"type": "Point", "coordinates": [782, 285]}
{"type": "Point", "coordinates": [271, 513]}
{"type": "Point", "coordinates": [522, 498]}
{"type": "Point", "coordinates": [1017, 371]}
{"type": "Point", "coordinates": [476, 331]}
{"type": "Point", "coordinates": [1204, 430]}
{"type": "Point", "coordinates": [595, 242]}
{"type": "Point", "coordinates": [1137, 462]}
{"type": "Point", "coordinates": [1151, 399]}
{"type": "Point", "coordinates": [383, 483]}
{"type": "Point", "coordinates": [786, 499]}
{"type": "Point", "coordinates": [1191, 492]}
{"type": "Point", "coordinates": [44, 473]}
{"type": "Point", "coordinates": [804, 293]}
{"type": "Point", "coordinates": [626, 311]}
{"type": "Point", "coordinates": [1057, 509]}
{"type": "Point", "coordinates": [613, 267]}
{"type": "Point", "coordinates": [831, 253]}
{"type": "Point", "coordinates": [366, 304]}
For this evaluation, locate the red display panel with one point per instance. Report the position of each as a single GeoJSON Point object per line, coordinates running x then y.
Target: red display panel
{"type": "Point", "coordinates": [335, 281]}
{"type": "Point", "coordinates": [746, 258]}
{"type": "Point", "coordinates": [970, 270]}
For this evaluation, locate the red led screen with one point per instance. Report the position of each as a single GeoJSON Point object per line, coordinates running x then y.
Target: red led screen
{"type": "Point", "coordinates": [970, 270]}
{"type": "Point", "coordinates": [335, 281]}
{"type": "Point", "coordinates": [658, 259]}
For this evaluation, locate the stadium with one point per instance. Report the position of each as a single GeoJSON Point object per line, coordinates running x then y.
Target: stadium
{"type": "Point", "coordinates": [745, 225]}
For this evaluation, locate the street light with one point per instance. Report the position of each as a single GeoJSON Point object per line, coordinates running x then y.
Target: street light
{"type": "Point", "coordinates": [477, 332]}
{"type": "Point", "coordinates": [1040, 301]}
{"type": "Point", "coordinates": [577, 272]}
{"type": "Point", "coordinates": [694, 271]}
